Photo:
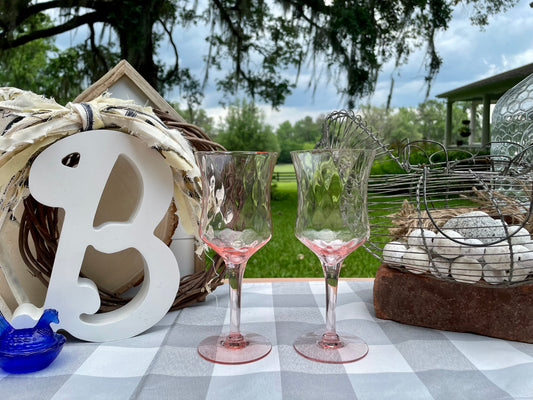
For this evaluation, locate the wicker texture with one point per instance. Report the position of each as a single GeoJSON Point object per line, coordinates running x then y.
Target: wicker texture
{"type": "Point", "coordinates": [39, 234]}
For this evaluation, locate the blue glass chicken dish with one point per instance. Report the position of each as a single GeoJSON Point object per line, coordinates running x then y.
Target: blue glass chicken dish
{"type": "Point", "coordinates": [29, 349]}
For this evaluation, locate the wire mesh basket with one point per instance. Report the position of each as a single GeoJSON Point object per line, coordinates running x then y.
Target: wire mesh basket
{"type": "Point", "coordinates": [466, 220]}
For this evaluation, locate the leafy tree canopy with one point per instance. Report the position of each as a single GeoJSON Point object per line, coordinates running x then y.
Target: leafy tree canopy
{"type": "Point", "coordinates": [244, 128]}
{"type": "Point", "coordinates": [21, 67]}
{"type": "Point", "coordinates": [259, 40]}
{"type": "Point", "coordinates": [196, 116]}
{"type": "Point", "coordinates": [304, 134]}
{"type": "Point", "coordinates": [427, 121]}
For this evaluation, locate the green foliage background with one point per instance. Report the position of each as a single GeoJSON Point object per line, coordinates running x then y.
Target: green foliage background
{"type": "Point", "coordinates": [245, 126]}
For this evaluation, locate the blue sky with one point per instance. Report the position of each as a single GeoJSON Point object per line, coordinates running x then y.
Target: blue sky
{"type": "Point", "coordinates": [469, 54]}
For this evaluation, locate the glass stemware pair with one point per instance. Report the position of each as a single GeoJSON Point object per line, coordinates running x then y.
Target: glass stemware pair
{"type": "Point", "coordinates": [332, 221]}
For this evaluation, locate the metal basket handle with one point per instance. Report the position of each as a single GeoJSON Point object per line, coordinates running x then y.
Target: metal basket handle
{"type": "Point", "coordinates": [517, 161]}
{"type": "Point", "coordinates": [422, 182]}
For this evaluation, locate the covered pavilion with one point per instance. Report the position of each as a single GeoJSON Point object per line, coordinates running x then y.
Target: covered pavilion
{"type": "Point", "coordinates": [484, 92]}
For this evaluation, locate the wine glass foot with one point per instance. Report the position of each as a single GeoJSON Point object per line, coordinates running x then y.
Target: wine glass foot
{"type": "Point", "coordinates": [245, 348]}
{"type": "Point", "coordinates": [346, 348]}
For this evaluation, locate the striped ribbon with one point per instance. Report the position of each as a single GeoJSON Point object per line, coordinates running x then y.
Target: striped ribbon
{"type": "Point", "coordinates": [29, 123]}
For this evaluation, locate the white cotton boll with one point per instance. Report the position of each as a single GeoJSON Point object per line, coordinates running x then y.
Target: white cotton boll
{"type": "Point", "coordinates": [420, 238]}
{"type": "Point", "coordinates": [494, 273]}
{"type": "Point", "coordinates": [416, 260]}
{"type": "Point", "coordinates": [440, 266]}
{"type": "Point", "coordinates": [522, 263]}
{"type": "Point", "coordinates": [522, 254]}
{"type": "Point", "coordinates": [525, 258]}
{"type": "Point", "coordinates": [499, 253]}
{"type": "Point", "coordinates": [446, 247]}
{"type": "Point", "coordinates": [529, 245]}
{"type": "Point", "coordinates": [471, 248]}
{"type": "Point", "coordinates": [466, 269]}
{"type": "Point", "coordinates": [501, 271]}
{"type": "Point", "coordinates": [521, 237]}
{"type": "Point", "coordinates": [520, 272]}
{"type": "Point", "coordinates": [393, 253]}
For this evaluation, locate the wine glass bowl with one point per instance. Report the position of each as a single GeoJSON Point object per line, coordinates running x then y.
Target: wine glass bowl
{"type": "Point", "coordinates": [332, 221]}
{"type": "Point", "coordinates": [235, 222]}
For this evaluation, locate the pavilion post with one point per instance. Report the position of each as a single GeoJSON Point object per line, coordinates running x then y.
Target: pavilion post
{"type": "Point", "coordinates": [485, 126]}
{"type": "Point", "coordinates": [448, 127]}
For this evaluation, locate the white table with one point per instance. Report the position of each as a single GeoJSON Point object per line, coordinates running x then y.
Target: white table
{"type": "Point", "coordinates": [404, 362]}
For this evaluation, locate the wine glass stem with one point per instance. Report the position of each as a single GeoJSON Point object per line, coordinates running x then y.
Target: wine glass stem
{"type": "Point", "coordinates": [235, 273]}
{"type": "Point", "coordinates": [331, 273]}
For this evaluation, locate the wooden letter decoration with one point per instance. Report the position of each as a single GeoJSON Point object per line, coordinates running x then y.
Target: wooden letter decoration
{"type": "Point", "coordinates": [77, 188]}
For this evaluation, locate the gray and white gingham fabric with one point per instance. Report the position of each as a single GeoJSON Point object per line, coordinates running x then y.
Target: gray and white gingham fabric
{"type": "Point", "coordinates": [404, 362]}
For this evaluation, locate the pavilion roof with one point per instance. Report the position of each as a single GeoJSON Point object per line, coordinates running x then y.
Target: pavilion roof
{"type": "Point", "coordinates": [494, 86]}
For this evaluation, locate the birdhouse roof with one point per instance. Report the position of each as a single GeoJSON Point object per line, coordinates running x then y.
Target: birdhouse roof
{"type": "Point", "coordinates": [124, 82]}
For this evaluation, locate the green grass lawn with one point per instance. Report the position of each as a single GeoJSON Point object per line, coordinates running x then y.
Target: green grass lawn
{"type": "Point", "coordinates": [285, 257]}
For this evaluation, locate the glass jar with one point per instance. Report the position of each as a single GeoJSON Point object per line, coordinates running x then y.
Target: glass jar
{"type": "Point", "coordinates": [512, 122]}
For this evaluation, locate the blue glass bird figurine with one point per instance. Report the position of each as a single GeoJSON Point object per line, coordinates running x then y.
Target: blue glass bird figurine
{"type": "Point", "coordinates": [29, 349]}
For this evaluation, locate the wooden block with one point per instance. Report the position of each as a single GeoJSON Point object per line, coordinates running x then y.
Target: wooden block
{"type": "Point", "coordinates": [421, 300]}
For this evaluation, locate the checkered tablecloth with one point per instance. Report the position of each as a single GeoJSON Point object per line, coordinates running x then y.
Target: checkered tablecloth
{"type": "Point", "coordinates": [404, 362]}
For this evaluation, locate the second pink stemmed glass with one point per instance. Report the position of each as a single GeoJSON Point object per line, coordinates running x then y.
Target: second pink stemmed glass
{"type": "Point", "coordinates": [332, 221]}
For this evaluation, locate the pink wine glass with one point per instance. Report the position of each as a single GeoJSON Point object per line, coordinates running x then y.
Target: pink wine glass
{"type": "Point", "coordinates": [235, 222]}
{"type": "Point", "coordinates": [332, 221]}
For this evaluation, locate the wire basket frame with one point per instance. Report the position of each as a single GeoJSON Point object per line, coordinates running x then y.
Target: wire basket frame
{"type": "Point", "coordinates": [343, 129]}
{"type": "Point", "coordinates": [466, 220]}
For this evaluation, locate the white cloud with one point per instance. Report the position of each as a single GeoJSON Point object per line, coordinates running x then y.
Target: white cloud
{"type": "Point", "coordinates": [217, 113]}
{"type": "Point", "coordinates": [274, 117]}
{"type": "Point", "coordinates": [291, 114]}
{"type": "Point", "coordinates": [517, 60]}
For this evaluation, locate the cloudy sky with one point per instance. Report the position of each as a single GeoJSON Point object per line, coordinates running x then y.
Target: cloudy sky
{"type": "Point", "coordinates": [469, 54]}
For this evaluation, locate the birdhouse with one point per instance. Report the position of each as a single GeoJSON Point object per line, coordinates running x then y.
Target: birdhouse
{"type": "Point", "coordinates": [125, 105]}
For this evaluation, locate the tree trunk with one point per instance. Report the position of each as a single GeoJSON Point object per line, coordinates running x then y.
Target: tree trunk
{"type": "Point", "coordinates": [135, 32]}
